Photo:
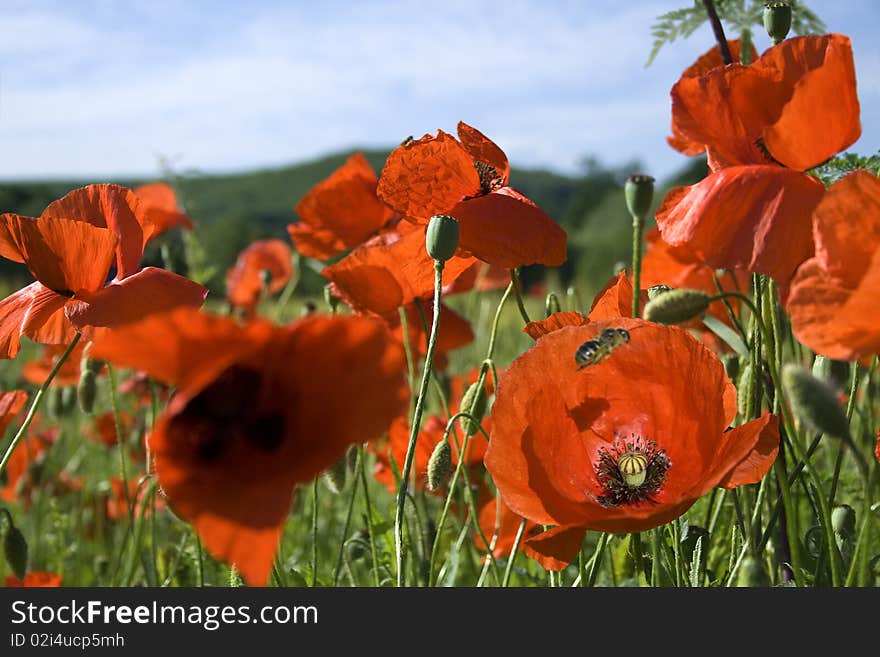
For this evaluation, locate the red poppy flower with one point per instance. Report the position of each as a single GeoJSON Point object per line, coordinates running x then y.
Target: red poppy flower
{"type": "Point", "coordinates": [341, 212]}
{"type": "Point", "coordinates": [467, 178]}
{"type": "Point", "coordinates": [389, 271]}
{"type": "Point", "coordinates": [623, 445]}
{"type": "Point", "coordinates": [70, 250]}
{"type": "Point", "coordinates": [833, 302]}
{"type": "Point", "coordinates": [159, 203]}
{"type": "Point", "coordinates": [117, 502]}
{"type": "Point", "coordinates": [244, 281]}
{"type": "Point", "coordinates": [104, 430]}
{"type": "Point", "coordinates": [479, 276]}
{"type": "Point", "coordinates": [37, 371]}
{"type": "Point", "coordinates": [35, 579]}
{"type": "Point", "coordinates": [258, 410]}
{"type": "Point", "coordinates": [763, 125]}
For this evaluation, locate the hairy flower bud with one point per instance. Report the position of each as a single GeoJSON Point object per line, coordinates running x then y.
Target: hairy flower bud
{"type": "Point", "coordinates": [656, 290]}
{"type": "Point", "coordinates": [814, 402]}
{"type": "Point", "coordinates": [677, 306]}
{"type": "Point", "coordinates": [441, 238]}
{"type": "Point", "coordinates": [337, 475]}
{"type": "Point", "coordinates": [439, 465]}
{"type": "Point", "coordinates": [473, 402]}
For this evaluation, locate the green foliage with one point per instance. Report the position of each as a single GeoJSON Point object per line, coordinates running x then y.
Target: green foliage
{"type": "Point", "coordinates": [837, 167]}
{"type": "Point", "coordinates": [741, 16]}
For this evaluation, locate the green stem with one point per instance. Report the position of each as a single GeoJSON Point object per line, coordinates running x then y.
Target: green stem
{"type": "Point", "coordinates": [416, 423]}
{"type": "Point", "coordinates": [637, 226]}
{"type": "Point", "coordinates": [35, 405]}
{"type": "Point", "coordinates": [597, 559]}
{"type": "Point", "coordinates": [513, 550]}
{"type": "Point", "coordinates": [287, 292]}
{"type": "Point", "coordinates": [514, 279]}
{"type": "Point", "coordinates": [121, 442]}
{"type": "Point", "coordinates": [347, 526]}
{"type": "Point", "coordinates": [315, 532]}
{"type": "Point", "coordinates": [371, 532]}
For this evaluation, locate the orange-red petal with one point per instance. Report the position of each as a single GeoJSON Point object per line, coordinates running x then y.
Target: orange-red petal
{"type": "Point", "coordinates": [748, 452]}
{"type": "Point", "coordinates": [428, 176]}
{"type": "Point", "coordinates": [752, 218]}
{"type": "Point", "coordinates": [554, 549]}
{"type": "Point", "coordinates": [159, 205]}
{"type": "Point", "coordinates": [66, 256]}
{"type": "Point", "coordinates": [390, 271]}
{"type": "Point", "coordinates": [244, 281]}
{"type": "Point", "coordinates": [340, 212]}
{"type": "Point", "coordinates": [112, 207]}
{"type": "Point", "coordinates": [507, 230]}
{"type": "Point", "coordinates": [149, 291]}
{"type": "Point", "coordinates": [483, 149]}
{"type": "Point", "coordinates": [821, 117]}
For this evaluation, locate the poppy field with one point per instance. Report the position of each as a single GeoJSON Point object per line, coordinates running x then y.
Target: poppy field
{"type": "Point", "coordinates": [441, 410]}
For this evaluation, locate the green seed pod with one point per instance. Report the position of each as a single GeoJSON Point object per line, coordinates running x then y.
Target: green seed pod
{"type": "Point", "coordinates": [336, 476]}
{"type": "Point", "coordinates": [777, 20]}
{"type": "Point", "coordinates": [56, 402]}
{"type": "Point", "coordinates": [551, 305]}
{"type": "Point", "coordinates": [752, 573]}
{"type": "Point", "coordinates": [330, 299]}
{"type": "Point", "coordinates": [814, 402]}
{"type": "Point", "coordinates": [843, 520]}
{"type": "Point", "coordinates": [441, 238]}
{"type": "Point", "coordinates": [639, 193]}
{"type": "Point", "coordinates": [439, 465]}
{"type": "Point", "coordinates": [677, 306]}
{"type": "Point", "coordinates": [474, 396]}
{"type": "Point", "coordinates": [87, 391]}
{"type": "Point", "coordinates": [15, 549]}
{"type": "Point", "coordinates": [656, 290]}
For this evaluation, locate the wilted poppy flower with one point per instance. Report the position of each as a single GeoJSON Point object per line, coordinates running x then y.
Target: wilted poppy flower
{"type": "Point", "coordinates": [623, 445]}
{"type": "Point", "coordinates": [70, 249]}
{"type": "Point", "coordinates": [467, 178]}
{"type": "Point", "coordinates": [158, 202]}
{"type": "Point", "coordinates": [34, 579]}
{"type": "Point", "coordinates": [258, 410]}
{"type": "Point", "coordinates": [834, 295]}
{"type": "Point", "coordinates": [389, 271]}
{"type": "Point", "coordinates": [340, 212]}
{"type": "Point", "coordinates": [37, 371]}
{"type": "Point", "coordinates": [245, 282]}
{"type": "Point", "coordinates": [763, 125]}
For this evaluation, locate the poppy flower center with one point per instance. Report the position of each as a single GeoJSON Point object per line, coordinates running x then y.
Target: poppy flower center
{"type": "Point", "coordinates": [631, 471]}
{"type": "Point", "coordinates": [225, 412]}
{"type": "Point", "coordinates": [489, 178]}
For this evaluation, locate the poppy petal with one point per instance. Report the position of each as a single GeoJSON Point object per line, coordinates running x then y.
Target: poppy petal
{"type": "Point", "coordinates": [10, 404]}
{"type": "Point", "coordinates": [749, 451]}
{"type": "Point", "coordinates": [159, 205]}
{"type": "Point", "coordinates": [390, 271]}
{"type": "Point", "coordinates": [507, 230]}
{"type": "Point", "coordinates": [34, 311]}
{"type": "Point", "coordinates": [751, 218]}
{"type": "Point", "coordinates": [187, 347]}
{"type": "Point", "coordinates": [821, 74]}
{"type": "Point", "coordinates": [428, 176]}
{"type": "Point", "coordinates": [556, 548]}
{"type": "Point", "coordinates": [483, 149]}
{"type": "Point", "coordinates": [149, 291]}
{"type": "Point", "coordinates": [344, 206]}
{"type": "Point", "coordinates": [554, 322]}
{"type": "Point", "coordinates": [66, 256]}
{"type": "Point", "coordinates": [615, 299]}
{"type": "Point", "coordinates": [244, 281]}
{"type": "Point", "coordinates": [113, 207]}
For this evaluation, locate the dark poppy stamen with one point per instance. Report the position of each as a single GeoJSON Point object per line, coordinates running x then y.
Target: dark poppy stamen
{"type": "Point", "coordinates": [489, 178]}
{"type": "Point", "coordinates": [631, 471]}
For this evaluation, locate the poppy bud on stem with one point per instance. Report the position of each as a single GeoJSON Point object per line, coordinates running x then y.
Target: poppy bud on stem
{"type": "Point", "coordinates": [639, 194]}
{"type": "Point", "coordinates": [439, 465]}
{"type": "Point", "coordinates": [777, 20]}
{"type": "Point", "coordinates": [441, 242]}
{"type": "Point", "coordinates": [677, 306]}
{"type": "Point", "coordinates": [15, 547]}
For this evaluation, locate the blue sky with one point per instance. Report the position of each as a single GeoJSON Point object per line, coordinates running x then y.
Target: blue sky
{"type": "Point", "coordinates": [101, 88]}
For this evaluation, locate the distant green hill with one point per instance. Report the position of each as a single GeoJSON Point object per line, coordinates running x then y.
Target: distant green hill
{"type": "Point", "coordinates": [231, 210]}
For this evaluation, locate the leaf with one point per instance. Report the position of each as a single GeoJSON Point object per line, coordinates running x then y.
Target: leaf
{"type": "Point", "coordinates": [696, 563]}
{"type": "Point", "coordinates": [727, 334]}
